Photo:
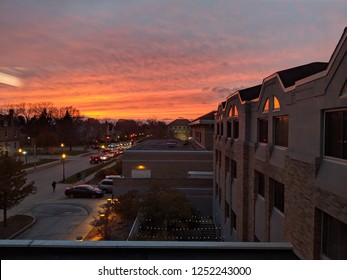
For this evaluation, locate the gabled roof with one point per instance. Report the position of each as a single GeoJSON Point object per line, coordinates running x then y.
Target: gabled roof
{"type": "Point", "coordinates": [205, 119]}
{"type": "Point", "coordinates": [290, 76]}
{"type": "Point", "coordinates": [251, 93]}
{"type": "Point", "coordinates": [179, 122]}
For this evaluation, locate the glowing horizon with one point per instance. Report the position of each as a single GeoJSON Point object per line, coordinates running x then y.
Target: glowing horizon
{"type": "Point", "coordinates": [149, 59]}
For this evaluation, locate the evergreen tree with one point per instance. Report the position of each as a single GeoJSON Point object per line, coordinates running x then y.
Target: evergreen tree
{"type": "Point", "coordinates": [13, 186]}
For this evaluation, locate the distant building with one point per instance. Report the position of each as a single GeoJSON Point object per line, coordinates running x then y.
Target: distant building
{"type": "Point", "coordinates": [202, 130]}
{"type": "Point", "coordinates": [280, 159]}
{"type": "Point", "coordinates": [165, 159]}
{"type": "Point", "coordinates": [9, 134]}
{"type": "Point", "coordinates": [169, 163]}
{"type": "Point", "coordinates": [179, 129]}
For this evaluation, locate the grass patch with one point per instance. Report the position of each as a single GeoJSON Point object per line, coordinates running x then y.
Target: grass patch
{"type": "Point", "coordinates": [40, 162]}
{"type": "Point", "coordinates": [14, 224]}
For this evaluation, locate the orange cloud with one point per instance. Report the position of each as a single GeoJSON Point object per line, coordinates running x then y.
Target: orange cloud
{"type": "Point", "coordinates": [120, 60]}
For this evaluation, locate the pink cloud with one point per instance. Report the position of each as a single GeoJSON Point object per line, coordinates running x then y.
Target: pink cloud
{"type": "Point", "coordinates": [160, 55]}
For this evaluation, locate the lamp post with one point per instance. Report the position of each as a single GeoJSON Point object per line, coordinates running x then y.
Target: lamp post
{"type": "Point", "coordinates": [20, 151]}
{"type": "Point", "coordinates": [63, 157]}
{"type": "Point", "coordinates": [62, 147]}
{"type": "Point", "coordinates": [25, 156]}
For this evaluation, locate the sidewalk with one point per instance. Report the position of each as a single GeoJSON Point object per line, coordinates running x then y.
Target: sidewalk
{"type": "Point", "coordinates": [56, 158]}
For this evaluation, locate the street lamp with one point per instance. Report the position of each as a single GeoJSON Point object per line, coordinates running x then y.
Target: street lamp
{"type": "Point", "coordinates": [25, 156]}
{"type": "Point", "coordinates": [62, 147]}
{"type": "Point", "coordinates": [20, 151]}
{"type": "Point", "coordinates": [63, 157]}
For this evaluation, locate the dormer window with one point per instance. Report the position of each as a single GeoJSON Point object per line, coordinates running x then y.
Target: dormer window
{"type": "Point", "coordinates": [233, 123]}
{"type": "Point", "coordinates": [236, 112]}
{"type": "Point", "coordinates": [267, 106]}
{"type": "Point", "coordinates": [344, 90]}
{"type": "Point", "coordinates": [277, 105]}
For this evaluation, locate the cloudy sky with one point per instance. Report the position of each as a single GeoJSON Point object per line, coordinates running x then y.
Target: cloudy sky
{"type": "Point", "coordinates": [162, 59]}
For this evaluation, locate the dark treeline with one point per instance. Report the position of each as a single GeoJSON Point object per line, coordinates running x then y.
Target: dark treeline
{"type": "Point", "coordinates": [44, 125]}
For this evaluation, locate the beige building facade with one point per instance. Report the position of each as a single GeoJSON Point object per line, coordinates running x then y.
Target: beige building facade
{"type": "Point", "coordinates": [280, 159]}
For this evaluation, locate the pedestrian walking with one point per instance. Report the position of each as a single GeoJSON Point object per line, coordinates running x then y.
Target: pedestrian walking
{"type": "Point", "coordinates": [53, 185]}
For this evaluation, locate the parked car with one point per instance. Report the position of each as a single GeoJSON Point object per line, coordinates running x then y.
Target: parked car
{"type": "Point", "coordinates": [106, 185]}
{"type": "Point", "coordinates": [95, 159]}
{"type": "Point", "coordinates": [83, 191]}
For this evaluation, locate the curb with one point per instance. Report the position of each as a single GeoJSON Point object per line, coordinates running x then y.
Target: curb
{"type": "Point", "coordinates": [24, 228]}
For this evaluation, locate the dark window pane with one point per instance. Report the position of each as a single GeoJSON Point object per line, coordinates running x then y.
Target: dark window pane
{"type": "Point", "coordinates": [278, 195]}
{"type": "Point", "coordinates": [233, 219]}
{"type": "Point", "coordinates": [233, 169]}
{"type": "Point", "coordinates": [263, 130]}
{"type": "Point", "coordinates": [236, 129]}
{"type": "Point", "coordinates": [281, 131]}
{"type": "Point", "coordinates": [333, 134]}
{"type": "Point", "coordinates": [229, 124]}
{"type": "Point", "coordinates": [227, 210]}
{"type": "Point", "coordinates": [260, 183]}
{"type": "Point", "coordinates": [334, 238]}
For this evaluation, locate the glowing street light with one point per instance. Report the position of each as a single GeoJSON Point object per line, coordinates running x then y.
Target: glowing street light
{"type": "Point", "coordinates": [63, 157]}
{"type": "Point", "coordinates": [20, 151]}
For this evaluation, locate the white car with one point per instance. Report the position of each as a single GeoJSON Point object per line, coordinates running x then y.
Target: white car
{"type": "Point", "coordinates": [106, 185]}
{"type": "Point", "coordinates": [113, 176]}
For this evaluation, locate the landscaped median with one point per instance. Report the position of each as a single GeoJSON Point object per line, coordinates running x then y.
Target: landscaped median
{"type": "Point", "coordinates": [15, 225]}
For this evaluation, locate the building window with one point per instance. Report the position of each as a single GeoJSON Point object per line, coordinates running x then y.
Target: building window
{"type": "Point", "coordinates": [227, 165]}
{"type": "Point", "coordinates": [236, 112]}
{"type": "Point", "coordinates": [278, 194]}
{"type": "Point", "coordinates": [267, 105]}
{"type": "Point", "coordinates": [233, 169]}
{"type": "Point", "coordinates": [232, 219]}
{"type": "Point", "coordinates": [336, 134]}
{"type": "Point", "coordinates": [233, 123]}
{"type": "Point", "coordinates": [334, 238]}
{"type": "Point", "coordinates": [277, 105]}
{"type": "Point", "coordinates": [281, 131]}
{"type": "Point", "coordinates": [229, 127]}
{"type": "Point", "coordinates": [263, 130]}
{"type": "Point", "coordinates": [344, 89]}
{"type": "Point", "coordinates": [236, 129]}
{"type": "Point", "coordinates": [216, 189]}
{"type": "Point", "coordinates": [226, 210]}
{"type": "Point", "coordinates": [260, 183]}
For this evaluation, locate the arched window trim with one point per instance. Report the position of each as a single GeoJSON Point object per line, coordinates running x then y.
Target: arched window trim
{"type": "Point", "coordinates": [276, 104]}
{"type": "Point", "coordinates": [266, 107]}
{"type": "Point", "coordinates": [235, 111]}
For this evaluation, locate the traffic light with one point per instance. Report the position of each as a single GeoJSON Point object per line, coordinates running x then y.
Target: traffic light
{"type": "Point", "coordinates": [108, 137]}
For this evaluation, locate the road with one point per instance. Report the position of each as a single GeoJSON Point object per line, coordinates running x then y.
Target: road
{"type": "Point", "coordinates": [57, 217]}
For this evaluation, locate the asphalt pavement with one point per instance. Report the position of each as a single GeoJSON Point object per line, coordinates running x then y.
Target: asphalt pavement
{"type": "Point", "coordinates": [58, 217]}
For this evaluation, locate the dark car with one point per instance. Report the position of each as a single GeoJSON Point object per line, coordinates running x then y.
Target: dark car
{"type": "Point", "coordinates": [83, 191]}
{"type": "Point", "coordinates": [95, 159]}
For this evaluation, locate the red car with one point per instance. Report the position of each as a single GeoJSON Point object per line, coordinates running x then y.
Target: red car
{"type": "Point", "coordinates": [95, 159]}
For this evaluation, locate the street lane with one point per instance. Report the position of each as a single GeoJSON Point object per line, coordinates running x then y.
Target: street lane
{"type": "Point", "coordinates": [43, 179]}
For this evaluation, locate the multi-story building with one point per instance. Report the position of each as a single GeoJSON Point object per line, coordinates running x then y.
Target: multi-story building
{"type": "Point", "coordinates": [9, 134]}
{"type": "Point", "coordinates": [280, 159]}
{"type": "Point", "coordinates": [179, 129]}
{"type": "Point", "coordinates": [203, 130]}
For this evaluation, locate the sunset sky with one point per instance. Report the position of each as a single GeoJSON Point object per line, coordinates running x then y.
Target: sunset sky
{"type": "Point", "coordinates": [163, 59]}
